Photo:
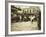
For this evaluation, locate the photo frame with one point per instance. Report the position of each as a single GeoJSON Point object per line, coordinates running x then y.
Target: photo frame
{"type": "Point", "coordinates": [18, 18]}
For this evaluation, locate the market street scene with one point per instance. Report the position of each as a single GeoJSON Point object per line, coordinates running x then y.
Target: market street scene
{"type": "Point", "coordinates": [25, 18]}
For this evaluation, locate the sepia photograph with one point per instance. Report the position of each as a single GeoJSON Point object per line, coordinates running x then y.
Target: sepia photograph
{"type": "Point", "coordinates": [25, 17]}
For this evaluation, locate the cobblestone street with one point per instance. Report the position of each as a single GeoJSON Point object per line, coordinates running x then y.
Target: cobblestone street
{"type": "Point", "coordinates": [24, 26]}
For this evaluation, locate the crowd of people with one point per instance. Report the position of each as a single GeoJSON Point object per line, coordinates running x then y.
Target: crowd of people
{"type": "Point", "coordinates": [25, 18]}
